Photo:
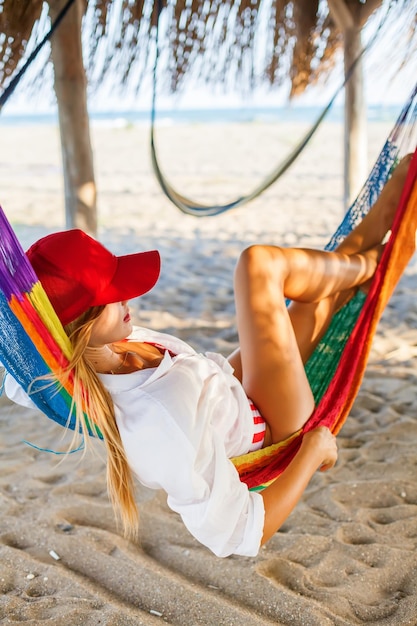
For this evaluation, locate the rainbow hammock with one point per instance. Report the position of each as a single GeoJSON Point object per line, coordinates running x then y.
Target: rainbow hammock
{"type": "Point", "coordinates": [33, 343]}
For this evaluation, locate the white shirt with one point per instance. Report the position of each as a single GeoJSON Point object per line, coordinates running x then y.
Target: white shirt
{"type": "Point", "coordinates": [180, 423]}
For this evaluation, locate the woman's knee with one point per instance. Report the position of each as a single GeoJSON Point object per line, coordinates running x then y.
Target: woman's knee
{"type": "Point", "coordinates": [260, 261]}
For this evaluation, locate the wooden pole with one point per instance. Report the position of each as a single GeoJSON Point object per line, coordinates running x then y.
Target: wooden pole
{"type": "Point", "coordinates": [70, 85]}
{"type": "Point", "coordinates": [355, 133]}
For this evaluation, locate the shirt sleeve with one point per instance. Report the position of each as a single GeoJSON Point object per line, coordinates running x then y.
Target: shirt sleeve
{"type": "Point", "coordinates": [189, 462]}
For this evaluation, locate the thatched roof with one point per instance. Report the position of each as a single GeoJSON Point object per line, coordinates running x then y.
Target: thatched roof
{"type": "Point", "coordinates": [235, 41]}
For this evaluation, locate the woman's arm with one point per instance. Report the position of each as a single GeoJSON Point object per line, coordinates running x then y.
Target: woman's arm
{"type": "Point", "coordinates": [318, 450]}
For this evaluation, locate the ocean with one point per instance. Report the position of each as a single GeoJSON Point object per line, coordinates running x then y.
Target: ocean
{"type": "Point", "coordinates": [206, 116]}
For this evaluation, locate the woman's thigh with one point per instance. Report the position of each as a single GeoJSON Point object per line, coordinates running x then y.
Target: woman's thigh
{"type": "Point", "coordinates": [269, 365]}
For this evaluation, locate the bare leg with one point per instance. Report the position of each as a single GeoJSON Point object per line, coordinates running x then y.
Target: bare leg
{"type": "Point", "coordinates": [375, 225]}
{"type": "Point", "coordinates": [273, 372]}
{"type": "Point", "coordinates": [310, 321]}
{"type": "Point", "coordinates": [276, 342]}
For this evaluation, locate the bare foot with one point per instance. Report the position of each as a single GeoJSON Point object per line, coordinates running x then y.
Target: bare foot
{"type": "Point", "coordinates": [391, 194]}
{"type": "Point", "coordinates": [372, 230]}
{"type": "Point", "coordinates": [375, 255]}
{"type": "Point", "coordinates": [371, 258]}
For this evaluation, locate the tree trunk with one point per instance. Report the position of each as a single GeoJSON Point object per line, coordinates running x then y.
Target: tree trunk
{"type": "Point", "coordinates": [355, 142]}
{"type": "Point", "coordinates": [70, 88]}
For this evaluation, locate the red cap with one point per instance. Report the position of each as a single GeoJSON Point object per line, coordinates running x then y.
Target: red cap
{"type": "Point", "coordinates": [77, 272]}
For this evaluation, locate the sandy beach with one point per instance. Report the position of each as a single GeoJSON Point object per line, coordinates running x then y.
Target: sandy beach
{"type": "Point", "coordinates": [348, 553]}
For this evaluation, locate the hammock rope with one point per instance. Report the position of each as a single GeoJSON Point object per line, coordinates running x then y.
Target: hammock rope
{"type": "Point", "coordinates": [197, 209]}
{"type": "Point", "coordinates": [185, 204]}
{"type": "Point", "coordinates": [16, 79]}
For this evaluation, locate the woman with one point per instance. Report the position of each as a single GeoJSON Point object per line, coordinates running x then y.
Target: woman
{"type": "Point", "coordinates": [174, 418]}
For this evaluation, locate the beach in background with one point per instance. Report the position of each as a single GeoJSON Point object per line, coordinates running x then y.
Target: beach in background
{"type": "Point", "coordinates": [347, 555]}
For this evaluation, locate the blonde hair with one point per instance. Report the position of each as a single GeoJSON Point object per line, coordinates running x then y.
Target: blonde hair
{"type": "Point", "coordinates": [94, 407]}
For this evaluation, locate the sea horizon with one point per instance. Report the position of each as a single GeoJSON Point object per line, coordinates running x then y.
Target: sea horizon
{"type": "Point", "coordinates": [172, 116]}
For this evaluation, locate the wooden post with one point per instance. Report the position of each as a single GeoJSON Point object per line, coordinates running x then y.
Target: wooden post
{"type": "Point", "coordinates": [70, 88]}
{"type": "Point", "coordinates": [355, 135]}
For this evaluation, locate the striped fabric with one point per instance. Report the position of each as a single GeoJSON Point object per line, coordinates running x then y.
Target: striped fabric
{"type": "Point", "coordinates": [259, 428]}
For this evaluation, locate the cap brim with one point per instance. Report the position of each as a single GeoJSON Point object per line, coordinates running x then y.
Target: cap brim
{"type": "Point", "coordinates": [135, 275]}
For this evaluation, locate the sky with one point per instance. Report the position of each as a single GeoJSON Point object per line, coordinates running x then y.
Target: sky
{"type": "Point", "coordinates": [384, 85]}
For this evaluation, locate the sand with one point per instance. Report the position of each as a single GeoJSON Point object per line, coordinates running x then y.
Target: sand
{"type": "Point", "coordinates": [347, 555]}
